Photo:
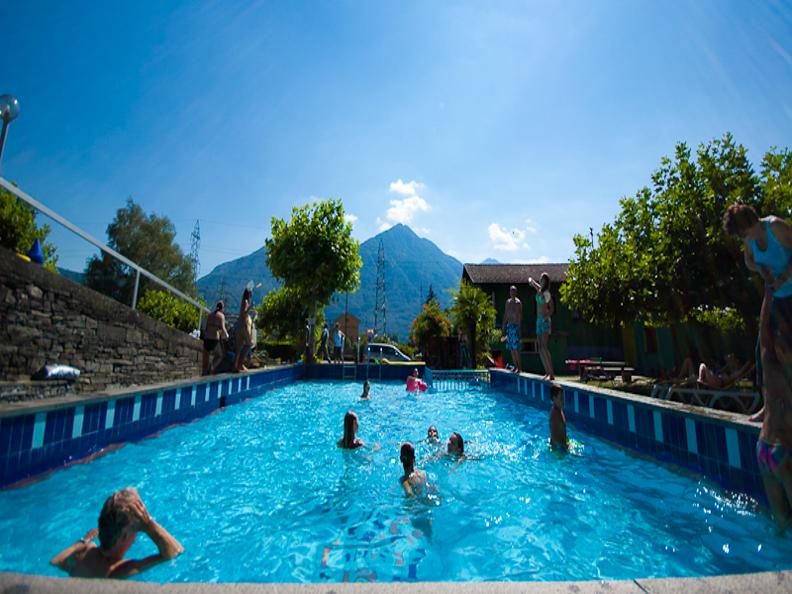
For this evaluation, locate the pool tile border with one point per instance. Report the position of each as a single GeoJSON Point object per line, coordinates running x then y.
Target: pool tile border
{"type": "Point", "coordinates": [719, 445]}
{"type": "Point", "coordinates": [45, 435]}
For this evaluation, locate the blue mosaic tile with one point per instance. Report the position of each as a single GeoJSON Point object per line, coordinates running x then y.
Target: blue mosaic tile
{"type": "Point", "coordinates": [59, 425]}
{"type": "Point", "coordinates": [148, 406]}
{"type": "Point", "coordinates": [748, 461]}
{"type": "Point", "coordinates": [644, 422]}
{"type": "Point", "coordinates": [123, 412]}
{"type": "Point", "coordinates": [711, 441]}
{"type": "Point", "coordinates": [186, 397]}
{"type": "Point", "coordinates": [674, 432]}
{"type": "Point", "coordinates": [213, 390]}
{"type": "Point", "coordinates": [620, 415]}
{"type": "Point", "coordinates": [94, 417]}
{"type": "Point", "coordinates": [16, 433]}
{"type": "Point", "coordinates": [168, 401]}
{"type": "Point", "coordinates": [600, 410]}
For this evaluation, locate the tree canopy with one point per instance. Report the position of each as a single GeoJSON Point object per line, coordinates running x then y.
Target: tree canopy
{"type": "Point", "coordinates": [315, 256]}
{"type": "Point", "coordinates": [147, 240]}
{"type": "Point", "coordinates": [18, 229]}
{"type": "Point", "coordinates": [170, 309]}
{"type": "Point", "coordinates": [429, 323]}
{"type": "Point", "coordinates": [473, 314]}
{"type": "Point", "coordinates": [666, 257]}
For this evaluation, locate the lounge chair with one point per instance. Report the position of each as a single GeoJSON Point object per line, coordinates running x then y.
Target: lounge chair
{"type": "Point", "coordinates": [732, 400]}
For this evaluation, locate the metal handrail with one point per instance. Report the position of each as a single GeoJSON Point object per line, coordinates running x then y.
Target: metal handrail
{"type": "Point", "coordinates": [27, 198]}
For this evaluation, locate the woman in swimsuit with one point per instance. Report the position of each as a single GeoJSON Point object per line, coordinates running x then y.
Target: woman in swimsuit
{"type": "Point", "coordinates": [774, 448]}
{"type": "Point", "coordinates": [349, 441]}
{"type": "Point", "coordinates": [544, 312]}
{"type": "Point", "coordinates": [413, 481]}
{"type": "Point", "coordinates": [244, 332]}
{"type": "Point", "coordinates": [214, 332]}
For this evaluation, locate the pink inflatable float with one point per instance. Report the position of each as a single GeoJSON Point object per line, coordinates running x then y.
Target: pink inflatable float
{"type": "Point", "coordinates": [415, 384]}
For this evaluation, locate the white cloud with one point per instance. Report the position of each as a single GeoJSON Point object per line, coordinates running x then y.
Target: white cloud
{"type": "Point", "coordinates": [505, 240]}
{"type": "Point", "coordinates": [530, 226]}
{"type": "Point", "coordinates": [350, 218]}
{"type": "Point", "coordinates": [384, 226]}
{"type": "Point", "coordinates": [403, 210]}
{"type": "Point", "coordinates": [423, 231]}
{"type": "Point", "coordinates": [405, 188]}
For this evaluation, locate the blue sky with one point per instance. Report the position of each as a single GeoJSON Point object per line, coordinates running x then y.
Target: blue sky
{"type": "Point", "coordinates": [495, 129]}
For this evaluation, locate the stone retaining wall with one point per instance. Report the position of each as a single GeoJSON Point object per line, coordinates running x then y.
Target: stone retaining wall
{"type": "Point", "coordinates": [46, 318]}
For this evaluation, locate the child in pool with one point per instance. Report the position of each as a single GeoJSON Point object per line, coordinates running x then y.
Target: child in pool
{"type": "Point", "coordinates": [456, 447]}
{"type": "Point", "coordinates": [414, 480]}
{"type": "Point", "coordinates": [349, 441]}
{"type": "Point", "coordinates": [366, 389]}
{"type": "Point", "coordinates": [432, 437]}
{"type": "Point", "coordinates": [558, 432]}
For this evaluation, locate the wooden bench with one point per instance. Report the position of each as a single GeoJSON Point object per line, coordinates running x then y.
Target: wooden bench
{"type": "Point", "coordinates": [605, 370]}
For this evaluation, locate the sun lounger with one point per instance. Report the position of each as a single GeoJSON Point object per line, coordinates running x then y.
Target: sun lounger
{"type": "Point", "coordinates": [732, 400]}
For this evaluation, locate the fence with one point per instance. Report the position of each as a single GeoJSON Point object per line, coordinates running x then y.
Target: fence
{"type": "Point", "coordinates": [459, 379]}
{"type": "Point", "coordinates": [138, 270]}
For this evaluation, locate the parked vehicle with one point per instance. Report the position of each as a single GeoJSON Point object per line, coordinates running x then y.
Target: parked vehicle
{"type": "Point", "coordinates": [382, 350]}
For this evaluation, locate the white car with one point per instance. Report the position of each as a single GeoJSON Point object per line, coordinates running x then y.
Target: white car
{"type": "Point", "coordinates": [382, 350]}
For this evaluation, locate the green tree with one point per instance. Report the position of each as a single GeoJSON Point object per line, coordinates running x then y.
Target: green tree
{"type": "Point", "coordinates": [282, 315]}
{"type": "Point", "coordinates": [18, 229]}
{"type": "Point", "coordinates": [431, 322]}
{"type": "Point", "coordinates": [315, 255]}
{"type": "Point", "coordinates": [474, 314]}
{"type": "Point", "coordinates": [166, 307]}
{"type": "Point", "coordinates": [147, 240]}
{"type": "Point", "coordinates": [666, 258]}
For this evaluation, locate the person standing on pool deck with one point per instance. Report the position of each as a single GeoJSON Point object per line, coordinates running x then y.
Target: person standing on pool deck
{"type": "Point", "coordinates": [414, 480]}
{"type": "Point", "coordinates": [774, 448]}
{"type": "Point", "coordinates": [338, 343]}
{"type": "Point", "coordinates": [558, 432]}
{"type": "Point", "coordinates": [214, 331]}
{"type": "Point", "coordinates": [512, 321]}
{"type": "Point", "coordinates": [324, 340]}
{"type": "Point", "coordinates": [244, 331]}
{"type": "Point", "coordinates": [349, 441]}
{"type": "Point", "coordinates": [123, 516]}
{"type": "Point", "coordinates": [767, 244]}
{"type": "Point", "coordinates": [544, 311]}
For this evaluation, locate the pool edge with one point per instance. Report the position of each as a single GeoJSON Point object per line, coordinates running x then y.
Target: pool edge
{"type": "Point", "coordinates": [759, 583]}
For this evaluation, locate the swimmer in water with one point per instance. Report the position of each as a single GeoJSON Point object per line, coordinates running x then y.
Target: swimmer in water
{"type": "Point", "coordinates": [558, 432]}
{"type": "Point", "coordinates": [366, 389]}
{"type": "Point", "coordinates": [414, 480]}
{"type": "Point", "coordinates": [456, 447]}
{"type": "Point", "coordinates": [349, 441]}
{"type": "Point", "coordinates": [432, 436]}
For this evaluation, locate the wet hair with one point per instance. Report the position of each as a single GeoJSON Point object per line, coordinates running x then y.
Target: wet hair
{"type": "Point", "coordinates": [247, 294]}
{"type": "Point", "coordinates": [115, 517]}
{"type": "Point", "coordinates": [545, 281]}
{"type": "Point", "coordinates": [458, 439]}
{"type": "Point", "coordinates": [738, 218]}
{"type": "Point", "coordinates": [349, 429]}
{"type": "Point", "coordinates": [430, 428]}
{"type": "Point", "coordinates": [407, 457]}
{"type": "Point", "coordinates": [220, 305]}
{"type": "Point", "coordinates": [556, 390]}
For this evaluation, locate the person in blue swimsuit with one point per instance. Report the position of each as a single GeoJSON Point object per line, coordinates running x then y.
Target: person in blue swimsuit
{"type": "Point", "coordinates": [767, 243]}
{"type": "Point", "coordinates": [544, 312]}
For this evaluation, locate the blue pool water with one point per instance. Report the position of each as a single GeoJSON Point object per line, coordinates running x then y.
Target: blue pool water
{"type": "Point", "coordinates": [259, 493]}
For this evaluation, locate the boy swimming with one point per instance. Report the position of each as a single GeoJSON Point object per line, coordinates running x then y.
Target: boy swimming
{"type": "Point", "coordinates": [414, 480]}
{"type": "Point", "coordinates": [558, 432]}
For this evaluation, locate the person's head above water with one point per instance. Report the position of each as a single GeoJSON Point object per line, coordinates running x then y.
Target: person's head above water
{"type": "Point", "coordinates": [117, 523]}
{"type": "Point", "coordinates": [432, 435]}
{"type": "Point", "coordinates": [415, 372]}
{"type": "Point", "coordinates": [557, 395]}
{"type": "Point", "coordinates": [350, 429]}
{"type": "Point", "coordinates": [741, 220]}
{"type": "Point", "coordinates": [407, 456]}
{"type": "Point", "coordinates": [366, 389]}
{"type": "Point", "coordinates": [456, 445]}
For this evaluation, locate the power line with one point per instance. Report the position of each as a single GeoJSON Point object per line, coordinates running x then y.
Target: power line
{"type": "Point", "coordinates": [380, 314]}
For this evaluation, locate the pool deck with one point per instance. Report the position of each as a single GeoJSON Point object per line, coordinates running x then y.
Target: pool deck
{"type": "Point", "coordinates": [751, 583]}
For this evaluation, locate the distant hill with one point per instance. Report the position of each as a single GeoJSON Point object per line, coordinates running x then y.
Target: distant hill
{"type": "Point", "coordinates": [411, 265]}
{"type": "Point", "coordinates": [490, 261]}
{"type": "Point", "coordinates": [73, 276]}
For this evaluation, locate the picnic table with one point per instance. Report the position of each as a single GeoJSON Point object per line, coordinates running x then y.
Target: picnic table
{"type": "Point", "coordinates": [597, 368]}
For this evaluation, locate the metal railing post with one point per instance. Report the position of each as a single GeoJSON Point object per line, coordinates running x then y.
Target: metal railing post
{"type": "Point", "coordinates": [137, 285]}
{"type": "Point", "coordinates": [200, 318]}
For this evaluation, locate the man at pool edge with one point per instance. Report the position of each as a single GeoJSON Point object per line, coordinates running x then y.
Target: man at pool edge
{"type": "Point", "coordinates": [123, 516]}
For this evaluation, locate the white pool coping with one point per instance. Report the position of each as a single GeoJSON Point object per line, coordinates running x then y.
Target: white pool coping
{"type": "Point", "coordinates": [749, 583]}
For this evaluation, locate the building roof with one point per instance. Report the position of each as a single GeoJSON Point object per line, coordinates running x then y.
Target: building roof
{"type": "Point", "coordinates": [512, 274]}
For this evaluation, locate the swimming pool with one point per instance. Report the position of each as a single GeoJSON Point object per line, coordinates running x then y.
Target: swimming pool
{"type": "Point", "coordinates": [259, 493]}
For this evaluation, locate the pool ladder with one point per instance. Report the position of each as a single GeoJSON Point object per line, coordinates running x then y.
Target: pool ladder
{"type": "Point", "coordinates": [349, 372]}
